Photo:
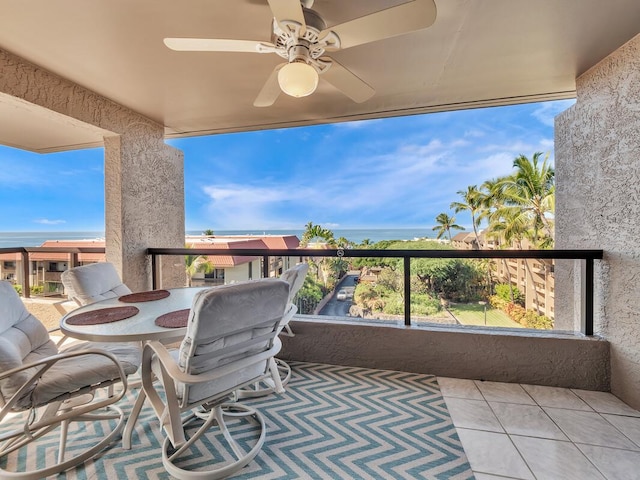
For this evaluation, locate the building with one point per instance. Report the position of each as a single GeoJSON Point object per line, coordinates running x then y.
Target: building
{"type": "Point", "coordinates": [46, 267]}
{"type": "Point", "coordinates": [235, 268]}
{"type": "Point", "coordinates": [533, 278]}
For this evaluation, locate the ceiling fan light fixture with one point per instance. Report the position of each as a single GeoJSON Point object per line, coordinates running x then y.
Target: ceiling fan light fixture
{"type": "Point", "coordinates": [298, 79]}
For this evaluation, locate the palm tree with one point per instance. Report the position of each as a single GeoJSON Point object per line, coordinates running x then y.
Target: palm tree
{"type": "Point", "coordinates": [208, 232]}
{"type": "Point", "coordinates": [316, 231]}
{"type": "Point", "coordinates": [516, 230]}
{"type": "Point", "coordinates": [446, 223]}
{"type": "Point", "coordinates": [531, 189]}
{"type": "Point", "coordinates": [196, 263]}
{"type": "Point", "coordinates": [472, 201]}
{"type": "Point", "coordinates": [324, 266]}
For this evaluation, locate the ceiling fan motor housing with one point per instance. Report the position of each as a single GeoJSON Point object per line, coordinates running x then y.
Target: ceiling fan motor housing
{"type": "Point", "coordinates": [302, 43]}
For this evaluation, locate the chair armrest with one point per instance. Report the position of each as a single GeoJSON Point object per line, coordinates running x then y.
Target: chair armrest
{"type": "Point", "coordinates": [61, 306]}
{"type": "Point", "coordinates": [173, 370]}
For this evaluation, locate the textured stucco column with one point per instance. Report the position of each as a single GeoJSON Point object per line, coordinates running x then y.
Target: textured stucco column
{"type": "Point", "coordinates": [597, 151]}
{"type": "Point", "coordinates": [144, 203]}
{"type": "Point", "coordinates": [144, 191]}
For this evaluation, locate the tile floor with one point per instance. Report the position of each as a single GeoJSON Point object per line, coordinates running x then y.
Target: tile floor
{"type": "Point", "coordinates": [512, 431]}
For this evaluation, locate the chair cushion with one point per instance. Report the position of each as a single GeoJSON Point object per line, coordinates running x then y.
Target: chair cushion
{"type": "Point", "coordinates": [74, 373]}
{"type": "Point", "coordinates": [92, 283]}
{"type": "Point", "coordinates": [23, 339]}
{"type": "Point", "coordinates": [12, 310]}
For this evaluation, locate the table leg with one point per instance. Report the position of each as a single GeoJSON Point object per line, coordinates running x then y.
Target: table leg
{"type": "Point", "coordinates": [131, 421]}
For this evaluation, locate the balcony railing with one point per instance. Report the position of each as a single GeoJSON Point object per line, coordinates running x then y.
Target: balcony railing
{"type": "Point", "coordinates": [588, 256]}
{"type": "Point", "coordinates": [24, 253]}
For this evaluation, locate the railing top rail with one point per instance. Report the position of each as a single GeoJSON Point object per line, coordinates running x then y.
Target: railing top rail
{"type": "Point", "coordinates": [312, 252]}
{"type": "Point", "coordinates": [52, 249]}
{"type": "Point", "coordinates": [66, 249]}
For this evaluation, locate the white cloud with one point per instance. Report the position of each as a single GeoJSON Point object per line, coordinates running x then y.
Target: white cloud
{"type": "Point", "coordinates": [474, 133]}
{"type": "Point", "coordinates": [549, 110]}
{"type": "Point", "coordinates": [236, 206]}
{"type": "Point", "coordinates": [357, 124]}
{"type": "Point", "coordinates": [46, 221]}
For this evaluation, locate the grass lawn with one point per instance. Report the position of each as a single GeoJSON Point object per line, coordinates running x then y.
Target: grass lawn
{"type": "Point", "coordinates": [473, 314]}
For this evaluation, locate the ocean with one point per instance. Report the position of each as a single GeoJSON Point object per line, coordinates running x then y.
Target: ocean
{"type": "Point", "coordinates": [35, 239]}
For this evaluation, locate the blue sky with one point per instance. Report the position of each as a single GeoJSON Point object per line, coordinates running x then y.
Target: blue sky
{"type": "Point", "coordinates": [391, 173]}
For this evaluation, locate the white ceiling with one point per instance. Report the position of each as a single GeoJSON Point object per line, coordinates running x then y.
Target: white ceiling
{"type": "Point", "coordinates": [477, 53]}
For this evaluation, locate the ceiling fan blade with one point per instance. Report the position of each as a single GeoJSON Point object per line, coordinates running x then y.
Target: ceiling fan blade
{"type": "Point", "coordinates": [404, 18]}
{"type": "Point", "coordinates": [217, 45]}
{"type": "Point", "coordinates": [287, 10]}
{"type": "Point", "coordinates": [270, 90]}
{"type": "Point", "coordinates": [348, 83]}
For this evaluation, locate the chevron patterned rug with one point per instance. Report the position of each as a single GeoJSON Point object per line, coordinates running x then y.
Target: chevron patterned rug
{"type": "Point", "coordinates": [333, 422]}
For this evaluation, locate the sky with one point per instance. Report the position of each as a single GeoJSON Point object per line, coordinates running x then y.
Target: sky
{"type": "Point", "coordinates": [387, 173]}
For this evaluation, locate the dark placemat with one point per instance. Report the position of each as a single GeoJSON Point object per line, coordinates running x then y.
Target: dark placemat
{"type": "Point", "coordinates": [149, 296]}
{"type": "Point", "coordinates": [103, 315]}
{"type": "Point", "coordinates": [177, 319]}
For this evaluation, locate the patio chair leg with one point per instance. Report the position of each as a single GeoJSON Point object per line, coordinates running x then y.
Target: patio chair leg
{"type": "Point", "coordinates": [275, 376]}
{"type": "Point", "coordinates": [64, 428]}
{"type": "Point", "coordinates": [216, 415]}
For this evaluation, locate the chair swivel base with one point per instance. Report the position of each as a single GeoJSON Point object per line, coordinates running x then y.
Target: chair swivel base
{"type": "Point", "coordinates": [111, 412]}
{"type": "Point", "coordinates": [215, 416]}
{"type": "Point", "coordinates": [266, 386]}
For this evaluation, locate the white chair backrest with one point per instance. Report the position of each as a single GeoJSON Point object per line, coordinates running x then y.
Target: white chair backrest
{"type": "Point", "coordinates": [92, 283]}
{"type": "Point", "coordinates": [226, 324]}
{"type": "Point", "coordinates": [295, 278]}
{"type": "Point", "coordinates": [23, 338]}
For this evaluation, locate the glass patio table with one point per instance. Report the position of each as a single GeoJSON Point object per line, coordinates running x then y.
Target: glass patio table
{"type": "Point", "coordinates": [124, 319]}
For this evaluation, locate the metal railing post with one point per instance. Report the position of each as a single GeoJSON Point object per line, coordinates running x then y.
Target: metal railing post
{"type": "Point", "coordinates": [26, 271]}
{"type": "Point", "coordinates": [154, 272]}
{"type": "Point", "coordinates": [588, 297]}
{"type": "Point", "coordinates": [265, 266]}
{"type": "Point", "coordinates": [407, 290]}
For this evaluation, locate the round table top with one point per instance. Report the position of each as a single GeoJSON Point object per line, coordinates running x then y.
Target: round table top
{"type": "Point", "coordinates": [139, 327]}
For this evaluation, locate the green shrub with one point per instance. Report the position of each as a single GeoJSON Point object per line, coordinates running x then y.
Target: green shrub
{"type": "Point", "coordinates": [425, 305]}
{"type": "Point", "coordinates": [309, 295]}
{"type": "Point", "coordinates": [497, 302]}
{"type": "Point", "coordinates": [394, 305]}
{"type": "Point", "coordinates": [36, 289]}
{"type": "Point", "coordinates": [504, 291]}
{"type": "Point", "coordinates": [18, 288]}
{"type": "Point", "coordinates": [526, 318]}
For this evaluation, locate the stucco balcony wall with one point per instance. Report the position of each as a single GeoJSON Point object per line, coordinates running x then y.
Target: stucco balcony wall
{"type": "Point", "coordinates": [553, 359]}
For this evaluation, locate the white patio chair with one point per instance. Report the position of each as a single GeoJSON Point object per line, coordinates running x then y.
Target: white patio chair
{"type": "Point", "coordinates": [231, 335]}
{"type": "Point", "coordinates": [92, 283]}
{"type": "Point", "coordinates": [89, 284]}
{"type": "Point", "coordinates": [53, 388]}
{"type": "Point", "coordinates": [295, 278]}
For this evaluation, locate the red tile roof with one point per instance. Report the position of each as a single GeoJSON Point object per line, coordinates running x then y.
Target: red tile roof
{"type": "Point", "coordinates": [219, 261]}
{"type": "Point", "coordinates": [62, 257]}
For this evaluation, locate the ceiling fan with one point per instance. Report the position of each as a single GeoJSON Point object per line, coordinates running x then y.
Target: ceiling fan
{"type": "Point", "coordinates": [301, 37]}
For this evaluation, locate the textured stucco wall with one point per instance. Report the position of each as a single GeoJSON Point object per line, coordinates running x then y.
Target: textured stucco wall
{"type": "Point", "coordinates": [144, 177]}
{"type": "Point", "coordinates": [544, 359]}
{"type": "Point", "coordinates": [597, 155]}
{"type": "Point", "coordinates": [144, 199]}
